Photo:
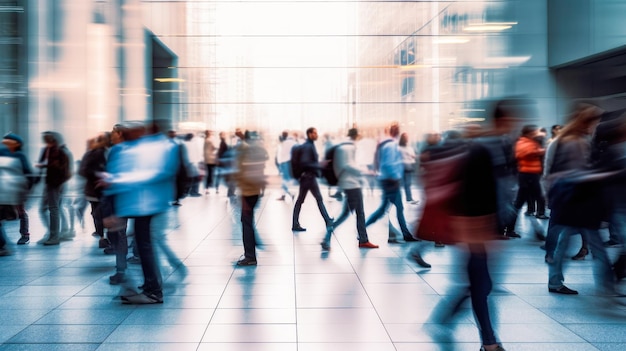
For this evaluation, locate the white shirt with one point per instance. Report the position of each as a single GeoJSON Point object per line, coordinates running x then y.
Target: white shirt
{"type": "Point", "coordinates": [283, 153]}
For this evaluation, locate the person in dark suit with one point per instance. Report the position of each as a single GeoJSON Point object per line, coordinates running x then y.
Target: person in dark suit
{"type": "Point", "coordinates": [308, 182]}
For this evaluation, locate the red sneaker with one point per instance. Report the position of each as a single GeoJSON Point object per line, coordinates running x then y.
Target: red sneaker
{"type": "Point", "coordinates": [367, 245]}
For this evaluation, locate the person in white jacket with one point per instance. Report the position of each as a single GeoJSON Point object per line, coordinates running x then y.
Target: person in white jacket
{"type": "Point", "coordinates": [349, 176]}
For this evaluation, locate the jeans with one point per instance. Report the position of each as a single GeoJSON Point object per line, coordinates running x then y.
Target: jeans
{"type": "Point", "coordinates": [603, 271]}
{"type": "Point", "coordinates": [149, 265]}
{"type": "Point", "coordinates": [248, 203]}
{"type": "Point", "coordinates": [285, 175]}
{"type": "Point", "coordinates": [353, 203]}
{"type": "Point", "coordinates": [309, 183]}
{"type": "Point", "coordinates": [51, 202]}
{"type": "Point", "coordinates": [391, 195]}
{"type": "Point", "coordinates": [119, 241]}
{"type": "Point", "coordinates": [407, 180]}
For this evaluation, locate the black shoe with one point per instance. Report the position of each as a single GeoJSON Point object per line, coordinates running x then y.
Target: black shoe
{"type": "Point", "coordinates": [298, 229]}
{"type": "Point", "coordinates": [109, 250]}
{"type": "Point", "coordinates": [282, 198]}
{"type": "Point", "coordinates": [439, 244]}
{"type": "Point", "coordinates": [410, 239]}
{"type": "Point", "coordinates": [393, 241]}
{"type": "Point", "coordinates": [539, 236]}
{"type": "Point", "coordinates": [117, 278]}
{"type": "Point", "coordinates": [563, 290]}
{"type": "Point", "coordinates": [325, 246]}
{"type": "Point", "coordinates": [513, 235]}
{"type": "Point", "coordinates": [529, 213]}
{"type": "Point", "coordinates": [246, 262]}
{"type": "Point", "coordinates": [581, 254]}
{"type": "Point", "coordinates": [542, 216]}
{"type": "Point", "coordinates": [419, 260]}
{"type": "Point", "coordinates": [25, 239]}
{"type": "Point", "coordinates": [103, 243]}
{"type": "Point", "coordinates": [141, 299]}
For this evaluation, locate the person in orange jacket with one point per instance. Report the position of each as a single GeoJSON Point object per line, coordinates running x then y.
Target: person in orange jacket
{"type": "Point", "coordinates": [529, 155]}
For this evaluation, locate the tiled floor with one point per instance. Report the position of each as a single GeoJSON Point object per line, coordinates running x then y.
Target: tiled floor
{"type": "Point", "coordinates": [297, 298]}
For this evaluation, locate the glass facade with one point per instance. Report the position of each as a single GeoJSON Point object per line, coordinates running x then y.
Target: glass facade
{"type": "Point", "coordinates": [79, 66]}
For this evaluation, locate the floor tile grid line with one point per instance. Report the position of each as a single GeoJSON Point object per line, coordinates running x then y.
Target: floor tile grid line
{"type": "Point", "coordinates": [206, 329]}
{"type": "Point", "coordinates": [378, 315]}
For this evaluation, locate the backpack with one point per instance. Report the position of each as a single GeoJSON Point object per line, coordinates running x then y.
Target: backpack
{"type": "Point", "coordinates": [377, 154]}
{"type": "Point", "coordinates": [328, 171]}
{"type": "Point", "coordinates": [296, 161]}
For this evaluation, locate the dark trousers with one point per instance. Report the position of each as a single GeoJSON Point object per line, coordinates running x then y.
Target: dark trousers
{"type": "Point", "coordinates": [3, 238]}
{"type": "Point", "coordinates": [530, 192]}
{"type": "Point", "coordinates": [391, 195]}
{"type": "Point", "coordinates": [248, 203]}
{"type": "Point", "coordinates": [480, 287]}
{"type": "Point", "coordinates": [96, 214]}
{"type": "Point", "coordinates": [149, 265]}
{"type": "Point", "coordinates": [208, 180]}
{"type": "Point", "coordinates": [24, 224]}
{"type": "Point", "coordinates": [309, 183]}
{"type": "Point", "coordinates": [353, 203]}
{"type": "Point", "coordinates": [478, 291]}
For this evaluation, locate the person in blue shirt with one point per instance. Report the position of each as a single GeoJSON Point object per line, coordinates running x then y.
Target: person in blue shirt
{"type": "Point", "coordinates": [141, 175]}
{"type": "Point", "coordinates": [391, 171]}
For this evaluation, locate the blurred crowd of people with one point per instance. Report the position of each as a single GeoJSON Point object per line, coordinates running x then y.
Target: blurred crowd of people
{"type": "Point", "coordinates": [476, 181]}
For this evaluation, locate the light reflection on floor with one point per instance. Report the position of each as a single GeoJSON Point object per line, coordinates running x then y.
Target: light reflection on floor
{"type": "Point", "coordinates": [297, 298]}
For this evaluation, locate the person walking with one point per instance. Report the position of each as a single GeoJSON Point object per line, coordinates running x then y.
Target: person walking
{"type": "Point", "coordinates": [210, 159]}
{"type": "Point", "coordinates": [92, 164]}
{"type": "Point", "coordinates": [157, 159]}
{"type": "Point", "coordinates": [14, 144]}
{"type": "Point", "coordinates": [391, 171]}
{"type": "Point", "coordinates": [349, 181]}
{"type": "Point", "coordinates": [56, 163]}
{"type": "Point", "coordinates": [570, 157]}
{"type": "Point", "coordinates": [408, 160]}
{"type": "Point", "coordinates": [283, 159]}
{"type": "Point", "coordinates": [251, 159]}
{"type": "Point", "coordinates": [13, 189]}
{"type": "Point", "coordinates": [311, 166]}
{"type": "Point", "coordinates": [472, 222]}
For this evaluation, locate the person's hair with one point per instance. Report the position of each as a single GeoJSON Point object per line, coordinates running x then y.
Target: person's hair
{"type": "Point", "coordinates": [583, 116]}
{"type": "Point", "coordinates": [404, 139]}
{"type": "Point", "coordinates": [285, 134]}
{"type": "Point", "coordinates": [309, 131]}
{"type": "Point", "coordinates": [555, 128]}
{"type": "Point", "coordinates": [394, 129]}
{"type": "Point", "coordinates": [529, 129]}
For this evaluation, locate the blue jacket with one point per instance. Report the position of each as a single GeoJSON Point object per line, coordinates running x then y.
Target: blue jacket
{"type": "Point", "coordinates": [142, 175]}
{"type": "Point", "coordinates": [390, 158]}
